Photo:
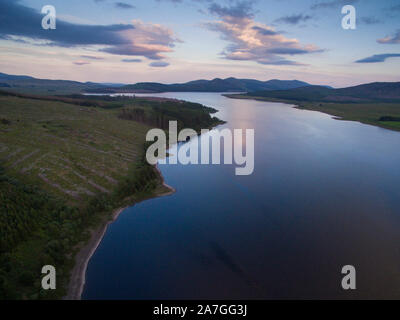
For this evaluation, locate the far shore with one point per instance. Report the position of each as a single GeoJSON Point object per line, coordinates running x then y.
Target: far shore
{"type": "Point", "coordinates": [366, 113]}
{"type": "Point", "coordinates": [78, 274]}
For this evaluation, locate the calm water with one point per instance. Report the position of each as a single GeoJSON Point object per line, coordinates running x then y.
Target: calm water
{"type": "Point", "coordinates": [324, 194]}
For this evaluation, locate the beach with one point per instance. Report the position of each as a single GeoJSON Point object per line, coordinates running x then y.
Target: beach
{"type": "Point", "coordinates": [78, 273]}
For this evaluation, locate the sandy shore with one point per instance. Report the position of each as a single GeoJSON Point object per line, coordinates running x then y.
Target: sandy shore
{"type": "Point", "coordinates": [77, 277]}
{"type": "Point", "coordinates": [171, 189]}
{"type": "Point", "coordinates": [78, 273]}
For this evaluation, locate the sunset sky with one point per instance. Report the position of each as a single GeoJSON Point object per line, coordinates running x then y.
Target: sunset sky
{"type": "Point", "coordinates": [170, 41]}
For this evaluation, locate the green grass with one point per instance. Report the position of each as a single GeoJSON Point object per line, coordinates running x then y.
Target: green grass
{"type": "Point", "coordinates": [70, 150]}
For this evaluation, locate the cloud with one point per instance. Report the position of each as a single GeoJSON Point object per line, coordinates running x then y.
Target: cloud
{"type": "Point", "coordinates": [174, 1]}
{"type": "Point", "coordinates": [395, 39]}
{"type": "Point", "coordinates": [241, 10]}
{"type": "Point", "coordinates": [81, 62]}
{"type": "Point", "coordinates": [159, 64]}
{"type": "Point", "coordinates": [294, 19]}
{"type": "Point", "coordinates": [253, 41]}
{"type": "Point", "coordinates": [123, 5]}
{"type": "Point", "coordinates": [136, 39]}
{"type": "Point", "coordinates": [394, 8]}
{"type": "Point", "coordinates": [265, 31]}
{"type": "Point", "coordinates": [148, 40]}
{"type": "Point", "coordinates": [370, 20]}
{"type": "Point", "coordinates": [290, 51]}
{"type": "Point", "coordinates": [131, 60]}
{"type": "Point", "coordinates": [91, 57]}
{"type": "Point", "coordinates": [332, 4]}
{"type": "Point", "coordinates": [378, 58]}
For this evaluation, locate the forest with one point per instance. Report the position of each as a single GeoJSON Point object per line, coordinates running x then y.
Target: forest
{"type": "Point", "coordinates": [66, 163]}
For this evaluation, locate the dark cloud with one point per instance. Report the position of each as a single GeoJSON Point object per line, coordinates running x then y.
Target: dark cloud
{"type": "Point", "coordinates": [264, 31]}
{"type": "Point", "coordinates": [394, 8]}
{"type": "Point", "coordinates": [123, 5]}
{"type": "Point", "coordinates": [332, 4]}
{"type": "Point", "coordinates": [242, 9]}
{"type": "Point", "coordinates": [395, 39]}
{"type": "Point", "coordinates": [370, 20]}
{"type": "Point", "coordinates": [18, 21]}
{"type": "Point", "coordinates": [131, 60]}
{"type": "Point", "coordinates": [294, 19]}
{"type": "Point", "coordinates": [159, 64]}
{"type": "Point", "coordinates": [91, 57]}
{"type": "Point", "coordinates": [378, 58]}
{"type": "Point", "coordinates": [289, 51]}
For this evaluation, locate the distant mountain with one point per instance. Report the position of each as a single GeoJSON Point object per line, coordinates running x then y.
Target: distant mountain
{"type": "Point", "coordinates": [112, 84]}
{"type": "Point", "coordinates": [215, 85]}
{"type": "Point", "coordinates": [26, 84]}
{"type": "Point", "coordinates": [377, 91]}
{"type": "Point", "coordinates": [31, 85]}
{"type": "Point", "coordinates": [4, 76]}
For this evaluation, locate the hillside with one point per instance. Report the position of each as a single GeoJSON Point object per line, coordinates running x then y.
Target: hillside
{"type": "Point", "coordinates": [30, 85]}
{"type": "Point", "coordinates": [215, 85]}
{"type": "Point", "coordinates": [372, 92]}
{"type": "Point", "coordinates": [65, 164]}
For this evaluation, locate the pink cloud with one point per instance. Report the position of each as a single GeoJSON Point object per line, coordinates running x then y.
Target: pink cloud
{"type": "Point", "coordinates": [253, 41]}
{"type": "Point", "coordinates": [149, 40]}
{"type": "Point", "coordinates": [395, 39]}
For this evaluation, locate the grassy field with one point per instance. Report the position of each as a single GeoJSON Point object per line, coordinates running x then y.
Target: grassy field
{"type": "Point", "coordinates": [64, 168]}
{"type": "Point", "coordinates": [72, 151]}
{"type": "Point", "coordinates": [369, 113]}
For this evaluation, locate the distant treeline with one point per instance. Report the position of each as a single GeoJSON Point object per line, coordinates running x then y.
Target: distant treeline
{"type": "Point", "coordinates": [80, 100]}
{"type": "Point", "coordinates": [187, 115]}
{"type": "Point", "coordinates": [389, 118]}
{"type": "Point", "coordinates": [115, 102]}
{"type": "Point", "coordinates": [372, 92]}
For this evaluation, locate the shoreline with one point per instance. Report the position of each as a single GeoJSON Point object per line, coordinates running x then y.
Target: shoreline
{"type": "Point", "coordinates": [77, 277]}
{"type": "Point", "coordinates": [305, 106]}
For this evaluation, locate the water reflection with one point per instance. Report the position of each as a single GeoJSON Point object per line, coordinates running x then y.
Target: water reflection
{"type": "Point", "coordinates": [324, 194]}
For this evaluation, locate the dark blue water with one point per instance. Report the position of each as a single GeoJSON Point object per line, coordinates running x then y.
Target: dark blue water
{"type": "Point", "coordinates": [324, 194]}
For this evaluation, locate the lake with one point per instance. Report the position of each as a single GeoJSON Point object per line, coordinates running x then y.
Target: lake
{"type": "Point", "coordinates": [324, 194]}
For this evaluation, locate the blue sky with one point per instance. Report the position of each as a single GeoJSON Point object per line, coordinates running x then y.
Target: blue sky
{"type": "Point", "coordinates": [180, 40]}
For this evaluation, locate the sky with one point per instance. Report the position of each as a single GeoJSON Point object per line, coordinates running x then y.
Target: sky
{"type": "Point", "coordinates": [171, 41]}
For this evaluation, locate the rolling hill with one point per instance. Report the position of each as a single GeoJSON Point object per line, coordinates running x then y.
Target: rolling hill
{"type": "Point", "coordinates": [26, 84]}
{"type": "Point", "coordinates": [31, 85]}
{"type": "Point", "coordinates": [215, 85]}
{"type": "Point", "coordinates": [371, 92]}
